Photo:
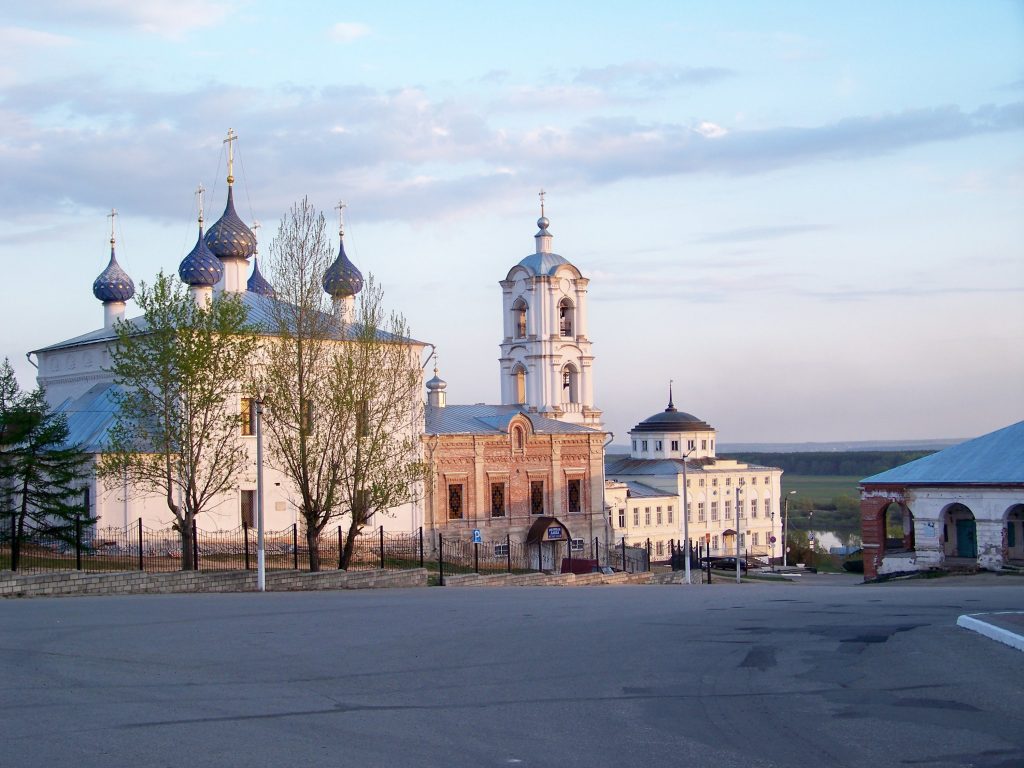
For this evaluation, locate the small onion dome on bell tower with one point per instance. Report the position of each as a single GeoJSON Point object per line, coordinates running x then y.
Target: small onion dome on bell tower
{"type": "Point", "coordinates": [113, 283]}
{"type": "Point", "coordinates": [342, 279]}
{"type": "Point", "coordinates": [257, 283]}
{"type": "Point", "coordinates": [436, 387]}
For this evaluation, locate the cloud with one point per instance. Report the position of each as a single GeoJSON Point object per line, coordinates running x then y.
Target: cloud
{"type": "Point", "coordinates": [168, 18]}
{"type": "Point", "coordinates": [348, 31]}
{"type": "Point", "coordinates": [651, 75]}
{"type": "Point", "coordinates": [752, 234]}
{"type": "Point", "coordinates": [23, 37]}
{"type": "Point", "coordinates": [405, 155]}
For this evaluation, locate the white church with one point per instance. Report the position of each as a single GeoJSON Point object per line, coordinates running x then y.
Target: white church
{"type": "Point", "coordinates": [525, 467]}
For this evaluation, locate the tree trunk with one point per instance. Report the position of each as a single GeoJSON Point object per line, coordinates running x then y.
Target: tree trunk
{"type": "Point", "coordinates": [313, 545]}
{"type": "Point", "coordinates": [350, 544]}
{"type": "Point", "coordinates": [187, 555]}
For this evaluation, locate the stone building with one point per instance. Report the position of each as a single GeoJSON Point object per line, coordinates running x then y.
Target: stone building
{"type": "Point", "coordinates": [77, 380]}
{"type": "Point", "coordinates": [962, 507]}
{"type": "Point", "coordinates": [530, 469]}
{"type": "Point", "coordinates": [726, 500]}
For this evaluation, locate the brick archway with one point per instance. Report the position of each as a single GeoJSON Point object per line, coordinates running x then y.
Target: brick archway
{"type": "Point", "coordinates": [872, 528]}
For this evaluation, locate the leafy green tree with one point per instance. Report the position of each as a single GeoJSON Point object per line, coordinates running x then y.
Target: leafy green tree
{"type": "Point", "coordinates": [178, 424]}
{"type": "Point", "coordinates": [41, 475]}
{"type": "Point", "coordinates": [342, 395]}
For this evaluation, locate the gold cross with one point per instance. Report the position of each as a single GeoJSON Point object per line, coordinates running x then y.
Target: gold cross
{"type": "Point", "coordinates": [112, 215]}
{"type": "Point", "coordinates": [541, 195]}
{"type": "Point", "coordinates": [230, 140]}
{"type": "Point", "coordinates": [199, 195]}
{"type": "Point", "coordinates": [340, 208]}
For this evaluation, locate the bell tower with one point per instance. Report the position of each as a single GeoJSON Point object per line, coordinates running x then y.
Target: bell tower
{"type": "Point", "coordinates": [546, 360]}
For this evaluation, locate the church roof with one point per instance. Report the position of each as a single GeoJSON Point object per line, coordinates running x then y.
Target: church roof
{"type": "Point", "coordinates": [671, 420]}
{"type": "Point", "coordinates": [200, 267]}
{"type": "Point", "coordinates": [113, 283]}
{"type": "Point", "coordinates": [642, 491]}
{"type": "Point", "coordinates": [257, 283]}
{"type": "Point", "coordinates": [229, 237]}
{"type": "Point", "coordinates": [623, 464]}
{"type": "Point", "coordinates": [481, 419]}
{"type": "Point", "coordinates": [993, 459]}
{"type": "Point", "coordinates": [342, 278]}
{"type": "Point", "coordinates": [261, 314]}
{"type": "Point", "coordinates": [544, 263]}
{"type": "Point", "coordinates": [90, 417]}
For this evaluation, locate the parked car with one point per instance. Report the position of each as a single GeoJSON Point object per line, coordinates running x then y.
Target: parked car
{"type": "Point", "coordinates": [725, 563]}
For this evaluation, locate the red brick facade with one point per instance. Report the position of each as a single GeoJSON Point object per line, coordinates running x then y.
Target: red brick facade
{"type": "Point", "coordinates": [478, 461]}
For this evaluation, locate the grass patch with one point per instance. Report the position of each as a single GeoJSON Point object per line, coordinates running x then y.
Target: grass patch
{"type": "Point", "coordinates": [821, 490]}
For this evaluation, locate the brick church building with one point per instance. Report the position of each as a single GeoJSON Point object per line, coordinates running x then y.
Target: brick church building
{"type": "Point", "coordinates": [529, 470]}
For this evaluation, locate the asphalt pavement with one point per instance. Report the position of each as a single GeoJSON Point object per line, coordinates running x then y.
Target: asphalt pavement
{"type": "Point", "coordinates": [762, 674]}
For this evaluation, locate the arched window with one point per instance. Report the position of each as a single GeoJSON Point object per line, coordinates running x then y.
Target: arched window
{"type": "Point", "coordinates": [519, 318]}
{"type": "Point", "coordinates": [518, 438]}
{"type": "Point", "coordinates": [570, 384]}
{"type": "Point", "coordinates": [519, 379]}
{"type": "Point", "coordinates": [565, 317]}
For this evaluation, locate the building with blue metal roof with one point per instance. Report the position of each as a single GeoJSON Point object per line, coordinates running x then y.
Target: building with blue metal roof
{"type": "Point", "coordinates": [961, 507]}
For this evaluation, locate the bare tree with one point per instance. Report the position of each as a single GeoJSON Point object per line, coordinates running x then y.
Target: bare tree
{"type": "Point", "coordinates": [178, 427]}
{"type": "Point", "coordinates": [376, 384]}
{"type": "Point", "coordinates": [341, 390]}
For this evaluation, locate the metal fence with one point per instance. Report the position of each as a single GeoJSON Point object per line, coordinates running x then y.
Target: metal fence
{"type": "Point", "coordinates": [139, 548]}
{"type": "Point", "coordinates": [458, 556]}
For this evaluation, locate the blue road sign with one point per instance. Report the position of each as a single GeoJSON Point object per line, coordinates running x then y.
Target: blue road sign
{"type": "Point", "coordinates": [477, 539]}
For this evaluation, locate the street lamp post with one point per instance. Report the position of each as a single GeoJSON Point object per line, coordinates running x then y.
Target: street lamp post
{"type": "Point", "coordinates": [785, 526]}
{"type": "Point", "coordinates": [261, 566]}
{"type": "Point", "coordinates": [738, 484]}
{"type": "Point", "coordinates": [686, 515]}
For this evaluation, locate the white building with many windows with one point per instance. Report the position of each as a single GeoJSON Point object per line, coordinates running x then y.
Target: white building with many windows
{"type": "Point", "coordinates": [672, 456]}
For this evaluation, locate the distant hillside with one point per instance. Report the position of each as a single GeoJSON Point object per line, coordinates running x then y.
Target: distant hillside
{"type": "Point", "coordinates": [851, 445]}
{"type": "Point", "coordinates": [834, 463]}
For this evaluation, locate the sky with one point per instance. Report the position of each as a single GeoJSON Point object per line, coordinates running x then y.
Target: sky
{"type": "Point", "coordinates": [809, 217]}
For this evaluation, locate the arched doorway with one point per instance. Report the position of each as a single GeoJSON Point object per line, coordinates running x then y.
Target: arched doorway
{"type": "Point", "coordinates": [899, 528]}
{"type": "Point", "coordinates": [1015, 533]}
{"type": "Point", "coordinates": [960, 532]}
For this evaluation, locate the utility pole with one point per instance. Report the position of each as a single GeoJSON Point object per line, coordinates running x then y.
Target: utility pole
{"type": "Point", "coordinates": [738, 484]}
{"type": "Point", "coordinates": [785, 526]}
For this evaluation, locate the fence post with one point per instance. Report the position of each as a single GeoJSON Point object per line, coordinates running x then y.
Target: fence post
{"type": "Point", "coordinates": [597, 552]}
{"type": "Point", "coordinates": [508, 551]}
{"type": "Point", "coordinates": [648, 554]}
{"type": "Point", "coordinates": [440, 557]}
{"type": "Point", "coordinates": [142, 563]}
{"type": "Point", "coordinates": [14, 541]}
{"type": "Point", "coordinates": [624, 568]}
{"type": "Point", "coordinates": [421, 546]}
{"type": "Point", "coordinates": [78, 542]}
{"type": "Point", "coordinates": [295, 546]}
{"type": "Point", "coordinates": [195, 545]}
{"type": "Point", "coordinates": [245, 535]}
{"type": "Point", "coordinates": [341, 548]}
{"type": "Point", "coordinates": [382, 547]}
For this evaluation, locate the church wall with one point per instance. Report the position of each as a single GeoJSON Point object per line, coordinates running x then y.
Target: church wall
{"type": "Point", "coordinates": [477, 461]}
{"type": "Point", "coordinates": [69, 373]}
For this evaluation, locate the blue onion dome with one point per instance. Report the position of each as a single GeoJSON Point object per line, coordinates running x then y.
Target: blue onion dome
{"type": "Point", "coordinates": [257, 283]}
{"type": "Point", "coordinates": [113, 283]}
{"type": "Point", "coordinates": [200, 267]}
{"type": "Point", "coordinates": [342, 279]}
{"type": "Point", "coordinates": [229, 237]}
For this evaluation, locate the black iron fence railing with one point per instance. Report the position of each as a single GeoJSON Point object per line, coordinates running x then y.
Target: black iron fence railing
{"type": "Point", "coordinates": [140, 548]}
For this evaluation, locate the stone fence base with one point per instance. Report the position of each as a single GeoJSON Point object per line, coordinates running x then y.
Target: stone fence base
{"type": "Point", "coordinates": [559, 579]}
{"type": "Point", "coordinates": [136, 582]}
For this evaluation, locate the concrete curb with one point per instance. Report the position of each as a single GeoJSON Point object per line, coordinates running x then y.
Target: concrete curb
{"type": "Point", "coordinates": [992, 631]}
